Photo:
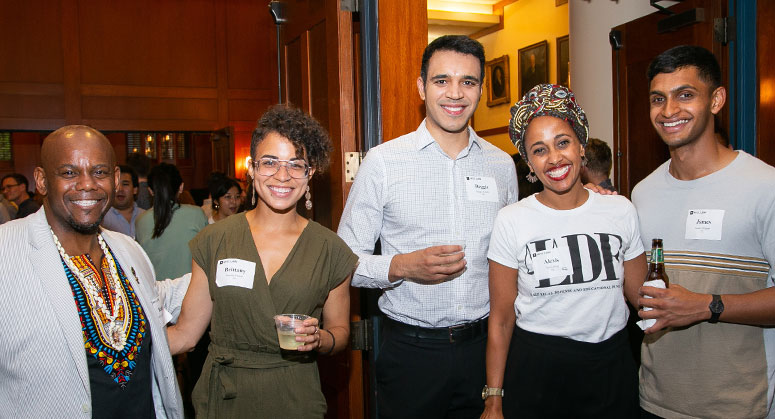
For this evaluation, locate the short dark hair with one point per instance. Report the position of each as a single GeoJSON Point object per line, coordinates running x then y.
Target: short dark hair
{"type": "Point", "coordinates": [303, 131]}
{"type": "Point", "coordinates": [456, 43]}
{"type": "Point", "coordinates": [19, 178]}
{"type": "Point", "coordinates": [598, 155]}
{"type": "Point", "coordinates": [126, 169]}
{"type": "Point", "coordinates": [140, 163]}
{"type": "Point", "coordinates": [220, 187]}
{"type": "Point", "coordinates": [687, 56]}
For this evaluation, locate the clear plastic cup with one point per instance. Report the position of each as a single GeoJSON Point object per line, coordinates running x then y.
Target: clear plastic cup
{"type": "Point", "coordinates": [285, 324]}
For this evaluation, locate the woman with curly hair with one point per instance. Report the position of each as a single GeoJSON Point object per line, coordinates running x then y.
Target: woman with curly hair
{"type": "Point", "coordinates": [563, 263]}
{"type": "Point", "coordinates": [261, 263]}
{"type": "Point", "coordinates": [165, 229]}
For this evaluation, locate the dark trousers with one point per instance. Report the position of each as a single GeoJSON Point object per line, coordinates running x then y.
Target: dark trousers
{"type": "Point", "coordinates": [554, 377]}
{"type": "Point", "coordinates": [420, 377]}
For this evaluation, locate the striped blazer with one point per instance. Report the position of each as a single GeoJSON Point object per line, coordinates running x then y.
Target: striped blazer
{"type": "Point", "coordinates": [43, 370]}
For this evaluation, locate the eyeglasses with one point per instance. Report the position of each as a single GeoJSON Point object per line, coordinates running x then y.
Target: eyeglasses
{"type": "Point", "coordinates": [268, 166]}
{"type": "Point", "coordinates": [9, 186]}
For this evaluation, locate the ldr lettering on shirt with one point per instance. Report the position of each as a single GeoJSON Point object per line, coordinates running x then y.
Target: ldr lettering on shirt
{"type": "Point", "coordinates": [601, 257]}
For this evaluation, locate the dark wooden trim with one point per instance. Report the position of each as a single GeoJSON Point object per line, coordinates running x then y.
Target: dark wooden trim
{"type": "Point", "coordinates": [488, 30]}
{"type": "Point", "coordinates": [493, 131]}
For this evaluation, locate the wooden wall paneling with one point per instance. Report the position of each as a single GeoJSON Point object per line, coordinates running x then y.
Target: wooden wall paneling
{"type": "Point", "coordinates": [765, 56]}
{"type": "Point", "coordinates": [251, 45]}
{"type": "Point", "coordinates": [400, 53]}
{"type": "Point", "coordinates": [118, 141]}
{"type": "Point", "coordinates": [318, 100]}
{"type": "Point", "coordinates": [148, 43]}
{"type": "Point", "coordinates": [292, 68]}
{"type": "Point", "coordinates": [26, 152]}
{"type": "Point", "coordinates": [220, 64]}
{"type": "Point", "coordinates": [203, 159]}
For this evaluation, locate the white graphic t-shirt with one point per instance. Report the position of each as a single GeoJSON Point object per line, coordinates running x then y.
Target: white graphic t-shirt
{"type": "Point", "coordinates": [570, 264]}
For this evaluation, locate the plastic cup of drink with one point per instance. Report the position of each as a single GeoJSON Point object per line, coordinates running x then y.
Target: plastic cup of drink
{"type": "Point", "coordinates": [286, 324]}
{"type": "Point", "coordinates": [453, 242]}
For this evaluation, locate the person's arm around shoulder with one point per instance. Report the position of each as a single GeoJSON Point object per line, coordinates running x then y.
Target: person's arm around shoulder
{"type": "Point", "coordinates": [503, 293]}
{"type": "Point", "coordinates": [195, 314]}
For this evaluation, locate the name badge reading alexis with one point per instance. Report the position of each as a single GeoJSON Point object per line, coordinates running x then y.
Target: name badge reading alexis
{"type": "Point", "coordinates": [704, 224]}
{"type": "Point", "coordinates": [481, 188]}
{"type": "Point", "coordinates": [551, 263]}
{"type": "Point", "coordinates": [235, 273]}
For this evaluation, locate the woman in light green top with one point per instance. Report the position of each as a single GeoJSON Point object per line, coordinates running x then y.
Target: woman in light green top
{"type": "Point", "coordinates": [165, 230]}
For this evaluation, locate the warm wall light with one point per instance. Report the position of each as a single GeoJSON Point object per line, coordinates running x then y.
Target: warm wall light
{"type": "Point", "coordinates": [462, 6]}
{"type": "Point", "coordinates": [767, 91]}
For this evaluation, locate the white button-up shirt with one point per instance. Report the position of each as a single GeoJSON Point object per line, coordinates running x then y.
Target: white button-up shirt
{"type": "Point", "coordinates": [410, 195]}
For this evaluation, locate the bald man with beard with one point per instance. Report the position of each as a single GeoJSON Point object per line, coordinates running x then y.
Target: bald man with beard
{"type": "Point", "coordinates": [77, 340]}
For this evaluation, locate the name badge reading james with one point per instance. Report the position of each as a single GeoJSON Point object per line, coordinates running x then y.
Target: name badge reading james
{"type": "Point", "coordinates": [551, 263]}
{"type": "Point", "coordinates": [481, 188]}
{"type": "Point", "coordinates": [704, 224]}
{"type": "Point", "coordinates": [235, 273]}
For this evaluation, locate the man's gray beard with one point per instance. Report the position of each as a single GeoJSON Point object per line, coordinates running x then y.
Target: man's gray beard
{"type": "Point", "coordinates": [86, 229]}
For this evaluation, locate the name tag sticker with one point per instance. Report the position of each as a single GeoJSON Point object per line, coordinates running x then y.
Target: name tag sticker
{"type": "Point", "coordinates": [481, 188]}
{"type": "Point", "coordinates": [551, 263]}
{"type": "Point", "coordinates": [704, 224]}
{"type": "Point", "coordinates": [235, 273]}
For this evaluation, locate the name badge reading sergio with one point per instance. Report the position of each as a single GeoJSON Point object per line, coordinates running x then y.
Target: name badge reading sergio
{"type": "Point", "coordinates": [235, 273]}
{"type": "Point", "coordinates": [551, 263]}
{"type": "Point", "coordinates": [704, 224]}
{"type": "Point", "coordinates": [481, 188]}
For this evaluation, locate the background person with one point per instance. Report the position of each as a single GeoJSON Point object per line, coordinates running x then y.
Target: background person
{"type": "Point", "coordinates": [15, 189]}
{"type": "Point", "coordinates": [597, 168]}
{"type": "Point", "coordinates": [122, 215]}
{"type": "Point", "coordinates": [280, 262]}
{"type": "Point", "coordinates": [165, 230]}
{"type": "Point", "coordinates": [226, 197]}
{"type": "Point", "coordinates": [561, 262]}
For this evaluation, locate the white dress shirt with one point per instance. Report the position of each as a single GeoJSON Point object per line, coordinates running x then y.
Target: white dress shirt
{"type": "Point", "coordinates": [410, 195]}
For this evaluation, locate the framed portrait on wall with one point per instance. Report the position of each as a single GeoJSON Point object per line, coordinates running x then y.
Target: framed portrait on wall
{"type": "Point", "coordinates": [563, 61]}
{"type": "Point", "coordinates": [533, 66]}
{"type": "Point", "coordinates": [497, 74]}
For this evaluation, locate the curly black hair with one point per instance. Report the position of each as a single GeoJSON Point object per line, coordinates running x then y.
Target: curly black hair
{"type": "Point", "coordinates": [303, 131]}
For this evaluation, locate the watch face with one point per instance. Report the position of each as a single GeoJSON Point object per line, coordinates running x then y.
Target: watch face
{"type": "Point", "coordinates": [716, 306]}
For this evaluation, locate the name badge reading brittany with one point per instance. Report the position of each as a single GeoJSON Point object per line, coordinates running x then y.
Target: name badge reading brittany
{"type": "Point", "coordinates": [704, 224]}
{"type": "Point", "coordinates": [235, 273]}
{"type": "Point", "coordinates": [551, 263]}
{"type": "Point", "coordinates": [481, 188]}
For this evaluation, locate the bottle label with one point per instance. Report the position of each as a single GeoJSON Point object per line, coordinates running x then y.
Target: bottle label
{"type": "Point", "coordinates": [657, 256]}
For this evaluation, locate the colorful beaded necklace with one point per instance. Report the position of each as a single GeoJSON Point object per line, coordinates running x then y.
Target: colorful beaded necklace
{"type": "Point", "coordinates": [116, 337]}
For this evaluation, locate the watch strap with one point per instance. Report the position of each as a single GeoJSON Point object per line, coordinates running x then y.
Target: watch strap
{"type": "Point", "coordinates": [716, 307]}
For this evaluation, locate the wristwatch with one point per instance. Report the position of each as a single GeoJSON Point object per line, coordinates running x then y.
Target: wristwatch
{"type": "Point", "coordinates": [488, 391]}
{"type": "Point", "coordinates": [716, 308]}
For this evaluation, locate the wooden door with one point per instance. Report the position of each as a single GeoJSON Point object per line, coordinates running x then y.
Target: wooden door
{"type": "Point", "coordinates": [765, 73]}
{"type": "Point", "coordinates": [317, 67]}
{"type": "Point", "coordinates": [638, 148]}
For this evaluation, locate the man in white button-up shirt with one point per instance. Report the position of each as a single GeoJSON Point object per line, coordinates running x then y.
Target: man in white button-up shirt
{"type": "Point", "coordinates": [430, 197]}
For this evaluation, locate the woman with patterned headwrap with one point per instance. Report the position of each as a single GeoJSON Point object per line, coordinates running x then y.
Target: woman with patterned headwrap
{"type": "Point", "coordinates": [562, 262]}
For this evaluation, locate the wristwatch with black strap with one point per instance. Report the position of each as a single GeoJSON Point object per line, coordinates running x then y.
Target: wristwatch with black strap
{"type": "Point", "coordinates": [491, 391]}
{"type": "Point", "coordinates": [716, 307]}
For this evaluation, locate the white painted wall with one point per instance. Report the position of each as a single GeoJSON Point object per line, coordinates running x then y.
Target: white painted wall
{"type": "Point", "coordinates": [590, 21]}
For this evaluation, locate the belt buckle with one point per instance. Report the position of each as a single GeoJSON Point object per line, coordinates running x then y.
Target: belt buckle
{"type": "Point", "coordinates": [452, 329]}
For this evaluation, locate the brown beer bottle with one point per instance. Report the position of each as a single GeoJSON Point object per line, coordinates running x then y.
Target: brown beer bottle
{"type": "Point", "coordinates": [657, 263]}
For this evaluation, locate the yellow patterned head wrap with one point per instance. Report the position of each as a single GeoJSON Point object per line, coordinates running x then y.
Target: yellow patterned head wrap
{"type": "Point", "coordinates": [547, 100]}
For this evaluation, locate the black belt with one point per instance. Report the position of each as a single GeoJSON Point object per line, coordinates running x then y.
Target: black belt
{"type": "Point", "coordinates": [458, 333]}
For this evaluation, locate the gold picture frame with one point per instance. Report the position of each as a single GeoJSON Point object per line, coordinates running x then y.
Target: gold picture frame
{"type": "Point", "coordinates": [498, 86]}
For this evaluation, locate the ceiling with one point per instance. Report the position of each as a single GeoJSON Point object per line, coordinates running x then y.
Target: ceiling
{"type": "Point", "coordinates": [460, 17]}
